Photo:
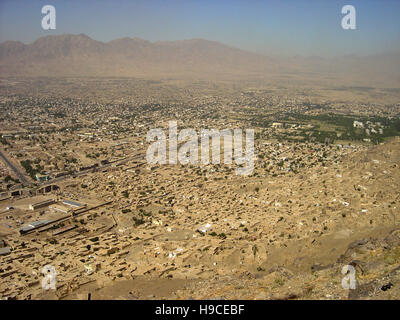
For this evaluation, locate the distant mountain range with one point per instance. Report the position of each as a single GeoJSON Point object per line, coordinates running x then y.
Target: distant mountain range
{"type": "Point", "coordinates": [79, 55]}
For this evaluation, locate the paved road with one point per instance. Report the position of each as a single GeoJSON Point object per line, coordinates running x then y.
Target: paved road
{"type": "Point", "coordinates": [21, 176]}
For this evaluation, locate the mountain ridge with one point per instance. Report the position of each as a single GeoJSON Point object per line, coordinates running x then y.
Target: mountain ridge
{"type": "Point", "coordinates": [80, 55]}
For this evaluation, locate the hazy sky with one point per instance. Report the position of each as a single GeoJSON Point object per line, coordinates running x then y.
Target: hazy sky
{"type": "Point", "coordinates": [289, 27]}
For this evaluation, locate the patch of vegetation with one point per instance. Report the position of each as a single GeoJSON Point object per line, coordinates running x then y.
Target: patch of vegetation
{"type": "Point", "coordinates": [138, 221]}
{"type": "Point", "coordinates": [27, 165]}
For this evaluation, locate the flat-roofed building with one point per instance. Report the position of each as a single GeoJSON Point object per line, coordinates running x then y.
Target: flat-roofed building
{"type": "Point", "coordinates": [61, 208]}
{"type": "Point", "coordinates": [277, 125]}
{"type": "Point", "coordinates": [74, 204]}
{"type": "Point", "coordinates": [33, 225]}
{"type": "Point", "coordinates": [4, 251]}
{"type": "Point", "coordinates": [42, 178]}
{"type": "Point", "coordinates": [41, 204]}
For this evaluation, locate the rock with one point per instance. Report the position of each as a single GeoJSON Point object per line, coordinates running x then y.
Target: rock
{"type": "Point", "coordinates": [387, 286]}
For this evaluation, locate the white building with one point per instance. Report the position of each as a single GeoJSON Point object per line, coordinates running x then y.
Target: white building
{"type": "Point", "coordinates": [358, 124]}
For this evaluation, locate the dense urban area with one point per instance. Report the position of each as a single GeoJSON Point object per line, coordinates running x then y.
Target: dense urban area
{"type": "Point", "coordinates": [77, 193]}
